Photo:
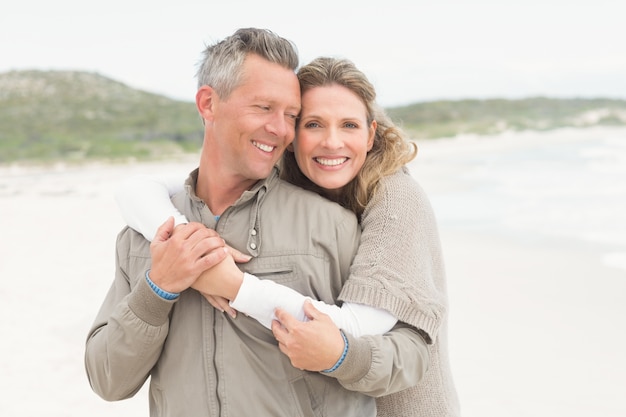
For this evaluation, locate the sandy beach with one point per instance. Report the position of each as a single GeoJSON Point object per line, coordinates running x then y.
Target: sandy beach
{"type": "Point", "coordinates": [536, 319]}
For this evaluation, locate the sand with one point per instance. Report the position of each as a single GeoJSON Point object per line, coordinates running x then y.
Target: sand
{"type": "Point", "coordinates": [536, 324]}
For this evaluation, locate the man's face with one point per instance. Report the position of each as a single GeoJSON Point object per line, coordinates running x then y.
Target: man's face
{"type": "Point", "coordinates": [252, 127]}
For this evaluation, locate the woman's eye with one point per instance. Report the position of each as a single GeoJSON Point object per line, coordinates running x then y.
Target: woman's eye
{"type": "Point", "coordinates": [312, 125]}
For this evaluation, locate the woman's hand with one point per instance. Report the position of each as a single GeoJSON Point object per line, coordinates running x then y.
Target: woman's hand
{"type": "Point", "coordinates": [220, 303]}
{"type": "Point", "coordinates": [239, 257]}
{"type": "Point", "coordinates": [221, 283]}
{"type": "Point", "coordinates": [217, 301]}
{"type": "Point", "coordinates": [314, 345]}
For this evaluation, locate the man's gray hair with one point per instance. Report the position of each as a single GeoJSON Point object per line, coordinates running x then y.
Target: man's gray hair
{"type": "Point", "coordinates": [221, 66]}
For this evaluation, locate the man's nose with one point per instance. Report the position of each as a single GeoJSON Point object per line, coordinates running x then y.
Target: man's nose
{"type": "Point", "coordinates": [280, 126]}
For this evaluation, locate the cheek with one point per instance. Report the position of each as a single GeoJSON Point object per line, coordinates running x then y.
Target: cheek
{"type": "Point", "coordinates": [297, 150]}
{"type": "Point", "coordinates": [303, 143]}
{"type": "Point", "coordinates": [362, 147]}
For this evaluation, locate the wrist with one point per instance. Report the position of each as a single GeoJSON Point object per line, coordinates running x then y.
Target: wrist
{"type": "Point", "coordinates": [160, 291]}
{"type": "Point", "coordinates": [233, 285]}
{"type": "Point", "coordinates": [342, 357]}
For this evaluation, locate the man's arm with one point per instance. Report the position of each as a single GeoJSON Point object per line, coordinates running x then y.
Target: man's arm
{"type": "Point", "coordinates": [383, 364]}
{"type": "Point", "coordinates": [126, 338]}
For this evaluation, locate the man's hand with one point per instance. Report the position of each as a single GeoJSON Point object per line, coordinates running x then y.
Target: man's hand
{"type": "Point", "coordinates": [180, 255]}
{"type": "Point", "coordinates": [314, 345]}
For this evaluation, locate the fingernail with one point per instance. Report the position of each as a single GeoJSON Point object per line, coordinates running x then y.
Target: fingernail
{"type": "Point", "coordinates": [233, 314]}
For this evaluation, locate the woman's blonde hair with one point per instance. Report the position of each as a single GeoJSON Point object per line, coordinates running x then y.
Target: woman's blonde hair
{"type": "Point", "coordinates": [391, 149]}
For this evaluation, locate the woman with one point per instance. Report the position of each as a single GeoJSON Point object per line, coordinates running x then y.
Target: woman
{"type": "Point", "coordinates": [349, 151]}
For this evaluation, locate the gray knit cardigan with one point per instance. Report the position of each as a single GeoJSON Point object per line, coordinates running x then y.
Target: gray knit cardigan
{"type": "Point", "coordinates": [399, 267]}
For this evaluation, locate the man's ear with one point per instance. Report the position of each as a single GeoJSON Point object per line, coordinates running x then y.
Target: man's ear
{"type": "Point", "coordinates": [290, 147]}
{"type": "Point", "coordinates": [206, 98]}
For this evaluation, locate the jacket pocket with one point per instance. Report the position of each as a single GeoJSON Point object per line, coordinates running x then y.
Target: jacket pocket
{"type": "Point", "coordinates": [275, 268]}
{"type": "Point", "coordinates": [306, 397]}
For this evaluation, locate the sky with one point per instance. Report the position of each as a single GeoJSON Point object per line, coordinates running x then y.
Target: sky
{"type": "Point", "coordinates": [411, 50]}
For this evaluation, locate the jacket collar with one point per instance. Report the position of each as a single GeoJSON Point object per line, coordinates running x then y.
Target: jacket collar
{"type": "Point", "coordinates": [254, 196]}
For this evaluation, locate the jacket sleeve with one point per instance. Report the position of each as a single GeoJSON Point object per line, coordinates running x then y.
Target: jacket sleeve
{"type": "Point", "coordinates": [383, 364]}
{"type": "Point", "coordinates": [127, 336]}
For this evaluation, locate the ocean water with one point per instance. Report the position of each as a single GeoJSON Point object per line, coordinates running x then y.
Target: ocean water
{"type": "Point", "coordinates": [570, 185]}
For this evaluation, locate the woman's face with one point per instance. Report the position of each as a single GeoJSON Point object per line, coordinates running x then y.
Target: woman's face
{"type": "Point", "coordinates": [333, 136]}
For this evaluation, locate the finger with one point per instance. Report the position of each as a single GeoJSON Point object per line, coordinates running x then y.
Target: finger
{"type": "Point", "coordinates": [310, 311]}
{"type": "Point", "coordinates": [165, 230]}
{"type": "Point", "coordinates": [279, 331]}
{"type": "Point", "coordinates": [221, 304]}
{"type": "Point", "coordinates": [180, 226]}
{"type": "Point", "coordinates": [200, 246]}
{"type": "Point", "coordinates": [197, 239]}
{"type": "Point", "coordinates": [283, 349]}
{"type": "Point", "coordinates": [213, 301]}
{"type": "Point", "coordinates": [225, 306]}
{"type": "Point", "coordinates": [183, 231]}
{"type": "Point", "coordinates": [239, 257]}
{"type": "Point", "coordinates": [209, 260]}
{"type": "Point", "coordinates": [285, 319]}
{"type": "Point", "coordinates": [195, 229]}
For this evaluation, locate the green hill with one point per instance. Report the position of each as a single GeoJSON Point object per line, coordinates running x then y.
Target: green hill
{"type": "Point", "coordinates": [484, 117]}
{"type": "Point", "coordinates": [51, 115]}
{"type": "Point", "coordinates": [74, 116]}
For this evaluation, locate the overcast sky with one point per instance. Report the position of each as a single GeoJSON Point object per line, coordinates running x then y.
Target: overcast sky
{"type": "Point", "coordinates": [412, 50]}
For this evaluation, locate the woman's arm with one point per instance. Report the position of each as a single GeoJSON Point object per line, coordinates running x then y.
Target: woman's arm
{"type": "Point", "coordinates": [260, 298]}
{"type": "Point", "coordinates": [405, 279]}
{"type": "Point", "coordinates": [408, 280]}
{"type": "Point", "coordinates": [144, 202]}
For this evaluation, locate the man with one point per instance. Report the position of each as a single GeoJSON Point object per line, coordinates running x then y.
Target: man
{"type": "Point", "coordinates": [201, 362]}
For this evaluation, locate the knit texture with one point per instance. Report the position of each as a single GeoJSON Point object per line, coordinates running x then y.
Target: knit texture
{"type": "Point", "coordinates": [399, 267]}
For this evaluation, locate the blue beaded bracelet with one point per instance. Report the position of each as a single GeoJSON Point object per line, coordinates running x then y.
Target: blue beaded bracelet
{"type": "Point", "coordinates": [343, 355]}
{"type": "Point", "coordinates": [161, 293]}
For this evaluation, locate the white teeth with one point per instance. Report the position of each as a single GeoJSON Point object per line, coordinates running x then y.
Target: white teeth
{"type": "Point", "coordinates": [264, 148]}
{"type": "Point", "coordinates": [331, 162]}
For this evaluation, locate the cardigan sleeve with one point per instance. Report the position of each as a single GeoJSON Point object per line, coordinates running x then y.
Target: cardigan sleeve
{"type": "Point", "coordinates": [399, 264]}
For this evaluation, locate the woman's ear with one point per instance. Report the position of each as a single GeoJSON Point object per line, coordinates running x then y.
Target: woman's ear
{"type": "Point", "coordinates": [370, 141]}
